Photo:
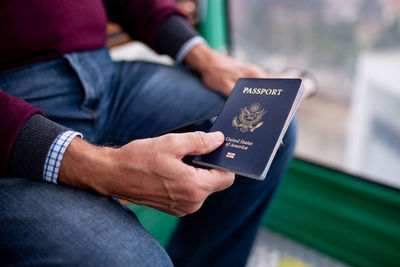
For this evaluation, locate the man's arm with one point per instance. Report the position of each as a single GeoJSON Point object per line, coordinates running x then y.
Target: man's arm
{"type": "Point", "coordinates": [158, 23]}
{"type": "Point", "coordinates": [29, 141]}
{"type": "Point", "coordinates": [15, 119]}
{"type": "Point", "coordinates": [148, 171]}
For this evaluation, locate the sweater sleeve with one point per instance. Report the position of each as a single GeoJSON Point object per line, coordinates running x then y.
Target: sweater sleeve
{"type": "Point", "coordinates": [31, 147]}
{"type": "Point", "coordinates": [158, 23]}
{"type": "Point", "coordinates": [14, 112]}
{"type": "Point", "coordinates": [25, 137]}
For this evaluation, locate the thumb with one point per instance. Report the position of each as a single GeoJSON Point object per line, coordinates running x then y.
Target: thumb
{"type": "Point", "coordinates": [197, 143]}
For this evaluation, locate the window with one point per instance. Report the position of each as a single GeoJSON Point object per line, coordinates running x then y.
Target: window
{"type": "Point", "coordinates": [353, 48]}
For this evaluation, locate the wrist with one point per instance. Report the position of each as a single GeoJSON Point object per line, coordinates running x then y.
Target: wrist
{"type": "Point", "coordinates": [85, 165]}
{"type": "Point", "coordinates": [200, 57]}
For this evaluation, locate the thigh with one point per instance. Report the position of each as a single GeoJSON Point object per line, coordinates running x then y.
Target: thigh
{"type": "Point", "coordinates": [148, 99]}
{"type": "Point", "coordinates": [67, 88]}
{"type": "Point", "coordinates": [53, 87]}
{"type": "Point", "coordinates": [47, 224]}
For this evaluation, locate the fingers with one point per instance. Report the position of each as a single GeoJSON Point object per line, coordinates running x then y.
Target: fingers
{"type": "Point", "coordinates": [187, 197]}
{"type": "Point", "coordinates": [206, 183]}
{"type": "Point", "coordinates": [195, 143]}
{"type": "Point", "coordinates": [182, 189]}
{"type": "Point", "coordinates": [253, 71]}
{"type": "Point", "coordinates": [215, 180]}
{"type": "Point", "coordinates": [228, 89]}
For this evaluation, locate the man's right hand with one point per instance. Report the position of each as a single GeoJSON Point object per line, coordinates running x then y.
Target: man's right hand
{"type": "Point", "coordinates": [148, 171]}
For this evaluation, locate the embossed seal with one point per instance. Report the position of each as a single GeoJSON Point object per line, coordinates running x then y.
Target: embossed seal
{"type": "Point", "coordinates": [249, 118]}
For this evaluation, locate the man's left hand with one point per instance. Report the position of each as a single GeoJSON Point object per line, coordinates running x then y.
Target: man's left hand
{"type": "Point", "coordinates": [218, 71]}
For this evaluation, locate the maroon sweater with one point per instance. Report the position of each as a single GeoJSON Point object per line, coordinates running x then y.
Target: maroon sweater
{"type": "Point", "coordinates": [36, 30]}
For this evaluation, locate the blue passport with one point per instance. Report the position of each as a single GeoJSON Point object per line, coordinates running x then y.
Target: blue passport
{"type": "Point", "coordinates": [254, 120]}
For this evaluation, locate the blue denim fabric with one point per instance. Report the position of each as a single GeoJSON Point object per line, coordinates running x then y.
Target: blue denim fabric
{"type": "Point", "coordinates": [221, 233]}
{"type": "Point", "coordinates": [114, 103]}
{"type": "Point", "coordinates": [43, 224]}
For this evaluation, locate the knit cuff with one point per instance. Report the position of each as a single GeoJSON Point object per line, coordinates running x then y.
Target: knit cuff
{"type": "Point", "coordinates": [173, 34]}
{"type": "Point", "coordinates": [31, 147]}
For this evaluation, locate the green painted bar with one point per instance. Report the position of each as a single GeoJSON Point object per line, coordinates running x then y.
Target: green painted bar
{"type": "Point", "coordinates": [212, 24]}
{"type": "Point", "coordinates": [349, 218]}
{"type": "Point", "coordinates": [159, 224]}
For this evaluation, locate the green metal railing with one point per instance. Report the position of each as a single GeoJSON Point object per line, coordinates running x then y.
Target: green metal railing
{"type": "Point", "coordinates": [351, 219]}
{"type": "Point", "coordinates": [213, 23]}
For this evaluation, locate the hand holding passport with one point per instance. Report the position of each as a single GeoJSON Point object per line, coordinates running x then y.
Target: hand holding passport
{"type": "Point", "coordinates": [254, 120]}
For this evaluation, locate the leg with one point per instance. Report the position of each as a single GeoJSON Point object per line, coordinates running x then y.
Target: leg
{"type": "Point", "coordinates": [148, 99]}
{"type": "Point", "coordinates": [46, 224]}
{"type": "Point", "coordinates": [222, 232]}
{"type": "Point", "coordinates": [60, 88]}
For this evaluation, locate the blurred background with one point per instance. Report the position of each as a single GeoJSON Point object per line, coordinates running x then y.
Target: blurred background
{"type": "Point", "coordinates": [353, 48]}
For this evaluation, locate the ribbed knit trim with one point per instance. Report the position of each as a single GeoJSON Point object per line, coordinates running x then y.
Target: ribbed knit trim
{"type": "Point", "coordinates": [173, 34]}
{"type": "Point", "coordinates": [31, 146]}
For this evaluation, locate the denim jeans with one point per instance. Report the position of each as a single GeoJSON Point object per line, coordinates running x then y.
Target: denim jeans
{"type": "Point", "coordinates": [114, 103]}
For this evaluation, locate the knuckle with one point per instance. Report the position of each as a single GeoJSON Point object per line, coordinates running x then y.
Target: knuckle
{"type": "Point", "coordinates": [193, 194]}
{"type": "Point", "coordinates": [200, 139]}
{"type": "Point", "coordinates": [226, 179]}
{"type": "Point", "coordinates": [230, 179]}
{"type": "Point", "coordinates": [189, 173]}
{"type": "Point", "coordinates": [170, 142]}
{"type": "Point", "coordinates": [169, 139]}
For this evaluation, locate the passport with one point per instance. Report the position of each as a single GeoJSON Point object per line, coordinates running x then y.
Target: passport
{"type": "Point", "coordinates": [254, 120]}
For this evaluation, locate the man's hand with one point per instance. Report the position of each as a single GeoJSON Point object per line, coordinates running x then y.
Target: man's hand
{"type": "Point", "coordinates": [218, 71]}
{"type": "Point", "coordinates": [148, 171]}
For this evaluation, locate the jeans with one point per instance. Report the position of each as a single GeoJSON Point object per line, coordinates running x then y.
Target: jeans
{"type": "Point", "coordinates": [113, 103]}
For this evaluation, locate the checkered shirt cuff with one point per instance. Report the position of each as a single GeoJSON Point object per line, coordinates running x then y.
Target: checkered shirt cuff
{"type": "Point", "coordinates": [55, 155]}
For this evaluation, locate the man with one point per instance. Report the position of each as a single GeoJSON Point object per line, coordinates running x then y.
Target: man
{"type": "Point", "coordinates": [53, 57]}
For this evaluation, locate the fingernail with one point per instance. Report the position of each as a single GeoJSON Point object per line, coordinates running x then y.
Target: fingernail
{"type": "Point", "coordinates": [218, 136]}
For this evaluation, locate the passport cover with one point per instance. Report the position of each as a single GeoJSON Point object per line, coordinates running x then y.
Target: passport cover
{"type": "Point", "coordinates": [254, 120]}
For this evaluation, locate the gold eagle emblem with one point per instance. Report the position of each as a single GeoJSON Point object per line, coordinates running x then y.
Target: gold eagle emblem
{"type": "Point", "coordinates": [249, 118]}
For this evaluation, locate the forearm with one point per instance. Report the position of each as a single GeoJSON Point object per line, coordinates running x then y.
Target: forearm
{"type": "Point", "coordinates": [200, 57]}
{"type": "Point", "coordinates": [86, 166]}
{"type": "Point", "coordinates": [147, 171]}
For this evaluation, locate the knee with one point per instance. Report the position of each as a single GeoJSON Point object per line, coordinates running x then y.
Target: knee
{"type": "Point", "coordinates": [126, 250]}
{"type": "Point", "coordinates": [88, 243]}
{"type": "Point", "coordinates": [54, 225]}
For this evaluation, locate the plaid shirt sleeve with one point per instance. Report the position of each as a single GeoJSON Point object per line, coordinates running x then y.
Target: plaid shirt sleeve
{"type": "Point", "coordinates": [55, 155]}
